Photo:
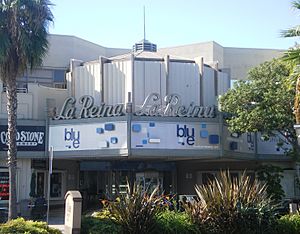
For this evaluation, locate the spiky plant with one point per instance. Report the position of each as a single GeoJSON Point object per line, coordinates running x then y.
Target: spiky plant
{"type": "Point", "coordinates": [135, 211]}
{"type": "Point", "coordinates": [232, 205]}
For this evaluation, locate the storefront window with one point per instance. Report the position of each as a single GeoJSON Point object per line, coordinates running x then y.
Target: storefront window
{"type": "Point", "coordinates": [56, 185]}
{"type": "Point", "coordinates": [207, 177]}
{"type": "Point", "coordinates": [40, 188]}
{"type": "Point", "coordinates": [4, 186]}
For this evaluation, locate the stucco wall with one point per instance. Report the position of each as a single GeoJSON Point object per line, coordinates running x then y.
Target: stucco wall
{"type": "Point", "coordinates": [240, 60]}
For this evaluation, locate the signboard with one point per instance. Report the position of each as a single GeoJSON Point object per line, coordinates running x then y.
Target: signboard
{"type": "Point", "coordinates": [154, 105]}
{"type": "Point", "coordinates": [29, 138]}
{"type": "Point", "coordinates": [92, 136]}
{"type": "Point", "coordinates": [172, 107]}
{"type": "Point", "coordinates": [272, 145]}
{"type": "Point", "coordinates": [4, 186]}
{"type": "Point", "coordinates": [181, 135]}
{"type": "Point", "coordinates": [88, 109]}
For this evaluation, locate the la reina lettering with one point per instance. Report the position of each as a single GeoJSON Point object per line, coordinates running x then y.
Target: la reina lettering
{"type": "Point", "coordinates": [88, 109]}
{"type": "Point", "coordinates": [151, 107]}
{"type": "Point", "coordinates": [173, 108]}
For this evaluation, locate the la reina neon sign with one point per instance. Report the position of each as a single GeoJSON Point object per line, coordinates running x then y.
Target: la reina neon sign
{"type": "Point", "coordinates": [88, 109]}
{"type": "Point", "coordinates": [152, 106]}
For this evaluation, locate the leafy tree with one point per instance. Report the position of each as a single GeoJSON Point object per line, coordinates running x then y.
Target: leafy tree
{"type": "Point", "coordinates": [263, 103]}
{"type": "Point", "coordinates": [23, 44]}
{"type": "Point", "coordinates": [271, 176]}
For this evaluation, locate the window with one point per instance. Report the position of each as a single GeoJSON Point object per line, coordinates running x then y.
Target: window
{"type": "Point", "coordinates": [40, 184]}
{"type": "Point", "coordinates": [56, 185]}
{"type": "Point", "coordinates": [4, 186]}
{"type": "Point", "coordinates": [59, 76]}
{"type": "Point", "coordinates": [207, 177]}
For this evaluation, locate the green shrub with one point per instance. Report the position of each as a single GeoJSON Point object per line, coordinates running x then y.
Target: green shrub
{"type": "Point", "coordinates": [135, 211]}
{"type": "Point", "coordinates": [169, 222]}
{"type": "Point", "coordinates": [289, 224]}
{"type": "Point", "coordinates": [233, 205]}
{"type": "Point", "coordinates": [29, 227]}
{"type": "Point", "coordinates": [95, 225]}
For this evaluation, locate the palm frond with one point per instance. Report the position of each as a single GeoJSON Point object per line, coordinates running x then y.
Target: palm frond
{"type": "Point", "coordinates": [292, 56]}
{"type": "Point", "coordinates": [291, 32]}
{"type": "Point", "coordinates": [296, 4]}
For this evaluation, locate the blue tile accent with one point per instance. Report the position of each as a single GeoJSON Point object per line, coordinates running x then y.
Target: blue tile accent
{"type": "Point", "coordinates": [151, 124]}
{"type": "Point", "coordinates": [145, 141]}
{"type": "Point", "coordinates": [203, 134]}
{"type": "Point", "coordinates": [99, 130]}
{"type": "Point", "coordinates": [114, 140]}
{"type": "Point", "coordinates": [233, 145]}
{"type": "Point", "coordinates": [213, 139]}
{"type": "Point", "coordinates": [203, 125]}
{"type": "Point", "coordinates": [109, 127]}
{"type": "Point", "coordinates": [136, 127]}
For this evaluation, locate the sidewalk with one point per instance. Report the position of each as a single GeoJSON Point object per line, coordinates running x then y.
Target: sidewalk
{"type": "Point", "coordinates": [57, 219]}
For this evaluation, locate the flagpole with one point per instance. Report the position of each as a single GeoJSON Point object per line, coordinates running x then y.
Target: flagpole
{"type": "Point", "coordinates": [49, 180]}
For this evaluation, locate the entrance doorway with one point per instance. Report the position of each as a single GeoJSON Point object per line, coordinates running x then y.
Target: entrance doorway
{"type": "Point", "coordinates": [149, 180]}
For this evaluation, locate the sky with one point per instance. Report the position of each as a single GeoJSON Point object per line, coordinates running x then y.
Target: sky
{"type": "Point", "coordinates": [231, 23]}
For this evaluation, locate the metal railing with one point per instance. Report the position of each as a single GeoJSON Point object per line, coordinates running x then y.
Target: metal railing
{"type": "Point", "coordinates": [19, 90]}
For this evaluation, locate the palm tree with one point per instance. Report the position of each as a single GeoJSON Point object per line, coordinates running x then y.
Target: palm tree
{"type": "Point", "coordinates": [23, 44]}
{"type": "Point", "coordinates": [293, 57]}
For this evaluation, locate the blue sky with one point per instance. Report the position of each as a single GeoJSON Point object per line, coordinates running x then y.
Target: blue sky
{"type": "Point", "coordinates": [231, 23]}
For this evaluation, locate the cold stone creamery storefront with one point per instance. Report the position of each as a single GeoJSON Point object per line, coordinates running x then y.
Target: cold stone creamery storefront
{"type": "Point", "coordinates": [112, 144]}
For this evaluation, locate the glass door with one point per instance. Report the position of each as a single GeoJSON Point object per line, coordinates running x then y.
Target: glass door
{"type": "Point", "coordinates": [40, 183]}
{"type": "Point", "coordinates": [149, 180]}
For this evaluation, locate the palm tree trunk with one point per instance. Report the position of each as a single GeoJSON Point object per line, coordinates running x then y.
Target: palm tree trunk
{"type": "Point", "coordinates": [297, 101]}
{"type": "Point", "coordinates": [11, 94]}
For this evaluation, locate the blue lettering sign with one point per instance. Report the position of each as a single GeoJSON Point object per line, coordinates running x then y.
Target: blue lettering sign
{"type": "Point", "coordinates": [73, 137]}
{"type": "Point", "coordinates": [187, 133]}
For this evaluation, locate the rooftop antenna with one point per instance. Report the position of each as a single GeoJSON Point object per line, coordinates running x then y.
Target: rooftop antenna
{"type": "Point", "coordinates": [144, 45]}
{"type": "Point", "coordinates": [144, 24]}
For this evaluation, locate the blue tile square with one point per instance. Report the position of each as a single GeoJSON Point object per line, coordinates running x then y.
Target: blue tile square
{"type": "Point", "coordinates": [114, 140]}
{"type": "Point", "coordinates": [145, 141]}
{"type": "Point", "coordinates": [109, 127]}
{"type": "Point", "coordinates": [203, 125]}
{"type": "Point", "coordinates": [203, 134]}
{"type": "Point", "coordinates": [99, 130]}
{"type": "Point", "coordinates": [213, 139]}
{"type": "Point", "coordinates": [136, 127]}
{"type": "Point", "coordinates": [151, 124]}
{"type": "Point", "coordinates": [233, 145]}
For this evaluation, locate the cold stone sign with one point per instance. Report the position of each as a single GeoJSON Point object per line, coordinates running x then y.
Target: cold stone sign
{"type": "Point", "coordinates": [29, 138]}
{"type": "Point", "coordinates": [173, 108]}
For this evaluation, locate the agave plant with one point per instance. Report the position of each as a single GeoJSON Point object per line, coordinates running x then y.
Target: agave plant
{"type": "Point", "coordinates": [135, 211]}
{"type": "Point", "coordinates": [233, 205]}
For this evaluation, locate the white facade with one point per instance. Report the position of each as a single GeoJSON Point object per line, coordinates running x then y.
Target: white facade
{"type": "Point", "coordinates": [176, 145]}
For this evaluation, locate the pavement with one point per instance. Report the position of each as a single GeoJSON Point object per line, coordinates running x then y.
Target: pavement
{"type": "Point", "coordinates": [57, 219]}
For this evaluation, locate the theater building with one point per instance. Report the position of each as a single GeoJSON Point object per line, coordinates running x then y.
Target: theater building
{"type": "Point", "coordinates": [142, 116]}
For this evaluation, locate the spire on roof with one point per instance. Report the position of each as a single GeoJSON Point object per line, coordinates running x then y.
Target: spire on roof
{"type": "Point", "coordinates": [144, 45]}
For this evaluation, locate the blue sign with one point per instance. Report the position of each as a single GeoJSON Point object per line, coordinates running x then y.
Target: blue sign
{"type": "Point", "coordinates": [29, 138]}
{"type": "Point", "coordinates": [72, 138]}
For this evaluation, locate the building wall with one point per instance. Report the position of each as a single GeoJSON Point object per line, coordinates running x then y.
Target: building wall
{"type": "Point", "coordinates": [240, 60]}
{"type": "Point", "coordinates": [237, 61]}
{"type": "Point", "coordinates": [32, 105]}
{"type": "Point", "coordinates": [205, 50]}
{"type": "Point", "coordinates": [63, 48]}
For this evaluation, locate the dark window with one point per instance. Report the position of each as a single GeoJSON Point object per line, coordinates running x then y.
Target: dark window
{"type": "Point", "coordinates": [207, 177]}
{"type": "Point", "coordinates": [59, 76]}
